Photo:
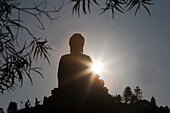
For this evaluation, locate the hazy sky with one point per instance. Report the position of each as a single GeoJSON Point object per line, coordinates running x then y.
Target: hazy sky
{"type": "Point", "coordinates": [135, 49]}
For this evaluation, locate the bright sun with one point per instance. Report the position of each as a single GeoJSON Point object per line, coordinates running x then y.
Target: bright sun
{"type": "Point", "coordinates": [97, 67]}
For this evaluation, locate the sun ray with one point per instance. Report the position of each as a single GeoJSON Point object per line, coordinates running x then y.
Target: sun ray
{"type": "Point", "coordinates": [97, 67]}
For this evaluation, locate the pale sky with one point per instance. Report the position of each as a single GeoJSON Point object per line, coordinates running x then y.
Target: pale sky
{"type": "Point", "coordinates": [134, 49]}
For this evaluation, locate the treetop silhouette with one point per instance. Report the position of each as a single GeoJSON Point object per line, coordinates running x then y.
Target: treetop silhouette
{"type": "Point", "coordinates": [65, 101]}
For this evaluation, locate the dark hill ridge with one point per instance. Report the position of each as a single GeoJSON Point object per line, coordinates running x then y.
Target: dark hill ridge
{"type": "Point", "coordinates": [94, 99]}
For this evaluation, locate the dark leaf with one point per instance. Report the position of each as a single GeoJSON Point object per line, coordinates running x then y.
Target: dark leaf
{"type": "Point", "coordinates": [147, 9]}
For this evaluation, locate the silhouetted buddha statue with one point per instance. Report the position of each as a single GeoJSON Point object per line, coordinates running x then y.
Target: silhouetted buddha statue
{"type": "Point", "coordinates": [74, 68]}
{"type": "Point", "coordinates": [79, 89]}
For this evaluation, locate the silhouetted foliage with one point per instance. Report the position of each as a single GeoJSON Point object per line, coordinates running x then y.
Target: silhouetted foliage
{"type": "Point", "coordinates": [27, 104]}
{"type": "Point", "coordinates": [16, 61]}
{"type": "Point", "coordinates": [1, 110]}
{"type": "Point", "coordinates": [114, 6]}
{"type": "Point", "coordinates": [138, 93]}
{"type": "Point", "coordinates": [134, 98]}
{"type": "Point", "coordinates": [153, 101]}
{"type": "Point", "coordinates": [37, 102]}
{"type": "Point", "coordinates": [117, 98]}
{"type": "Point", "coordinates": [127, 94]}
{"type": "Point", "coordinates": [98, 100]}
{"type": "Point", "coordinates": [12, 108]}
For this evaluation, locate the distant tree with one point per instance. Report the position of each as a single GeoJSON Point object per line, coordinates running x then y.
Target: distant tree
{"type": "Point", "coordinates": [1, 110]}
{"type": "Point", "coordinates": [12, 108]}
{"type": "Point", "coordinates": [138, 93]}
{"type": "Point", "coordinates": [153, 101]}
{"type": "Point", "coordinates": [37, 102]}
{"type": "Point", "coordinates": [117, 98]}
{"type": "Point", "coordinates": [134, 98]}
{"type": "Point", "coordinates": [127, 94]}
{"type": "Point", "coordinates": [27, 104]}
{"type": "Point", "coordinates": [164, 109]}
{"type": "Point", "coordinates": [167, 109]}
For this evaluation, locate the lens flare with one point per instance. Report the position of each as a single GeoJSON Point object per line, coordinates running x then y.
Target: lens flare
{"type": "Point", "coordinates": [97, 67]}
